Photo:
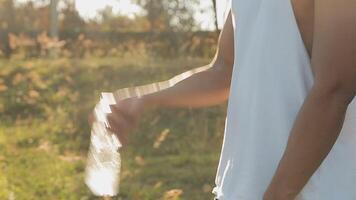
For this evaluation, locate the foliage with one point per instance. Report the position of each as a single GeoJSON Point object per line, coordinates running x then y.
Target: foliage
{"type": "Point", "coordinates": [49, 85]}
{"type": "Point", "coordinates": [170, 24]}
{"type": "Point", "coordinates": [44, 135]}
{"type": "Point", "coordinates": [33, 15]}
{"type": "Point", "coordinates": [107, 21]}
{"type": "Point", "coordinates": [71, 20]}
{"type": "Point", "coordinates": [166, 44]}
{"type": "Point", "coordinates": [163, 15]}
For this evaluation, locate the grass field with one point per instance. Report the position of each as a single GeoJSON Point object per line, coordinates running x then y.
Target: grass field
{"type": "Point", "coordinates": [44, 135]}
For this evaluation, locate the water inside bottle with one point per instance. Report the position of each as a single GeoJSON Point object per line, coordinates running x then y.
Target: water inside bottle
{"type": "Point", "coordinates": [104, 161]}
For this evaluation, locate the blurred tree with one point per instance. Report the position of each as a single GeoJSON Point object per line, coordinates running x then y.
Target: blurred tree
{"type": "Point", "coordinates": [54, 18]}
{"type": "Point", "coordinates": [70, 20]}
{"type": "Point", "coordinates": [7, 22]}
{"type": "Point", "coordinates": [215, 16]}
{"type": "Point", "coordinates": [108, 21]}
{"type": "Point", "coordinates": [169, 14]}
{"type": "Point", "coordinates": [156, 14]}
{"type": "Point", "coordinates": [31, 17]}
{"type": "Point", "coordinates": [7, 14]}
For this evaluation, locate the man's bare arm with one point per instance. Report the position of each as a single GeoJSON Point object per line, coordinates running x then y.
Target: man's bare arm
{"type": "Point", "coordinates": [206, 88]}
{"type": "Point", "coordinates": [321, 118]}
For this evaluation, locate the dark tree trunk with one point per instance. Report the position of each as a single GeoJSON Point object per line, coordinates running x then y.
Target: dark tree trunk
{"type": "Point", "coordinates": [54, 18]}
{"type": "Point", "coordinates": [215, 16]}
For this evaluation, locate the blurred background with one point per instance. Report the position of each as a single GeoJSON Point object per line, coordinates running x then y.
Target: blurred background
{"type": "Point", "coordinates": [56, 56]}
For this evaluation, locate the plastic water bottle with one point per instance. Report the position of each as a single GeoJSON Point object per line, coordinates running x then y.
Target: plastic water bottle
{"type": "Point", "coordinates": [102, 173]}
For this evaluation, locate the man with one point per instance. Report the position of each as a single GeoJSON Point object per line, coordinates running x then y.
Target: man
{"type": "Point", "coordinates": [288, 69]}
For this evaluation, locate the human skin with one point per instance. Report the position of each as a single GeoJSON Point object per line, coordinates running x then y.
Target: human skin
{"type": "Point", "coordinates": [321, 117]}
{"type": "Point", "coordinates": [328, 28]}
{"type": "Point", "coordinates": [207, 88]}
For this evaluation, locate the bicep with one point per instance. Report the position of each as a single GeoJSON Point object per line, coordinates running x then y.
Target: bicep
{"type": "Point", "coordinates": [334, 45]}
{"type": "Point", "coordinates": [224, 57]}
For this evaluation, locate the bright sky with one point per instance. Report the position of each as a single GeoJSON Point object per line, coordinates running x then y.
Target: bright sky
{"type": "Point", "coordinates": [89, 9]}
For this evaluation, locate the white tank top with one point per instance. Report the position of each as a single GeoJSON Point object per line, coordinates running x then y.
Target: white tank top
{"type": "Point", "coordinates": [271, 78]}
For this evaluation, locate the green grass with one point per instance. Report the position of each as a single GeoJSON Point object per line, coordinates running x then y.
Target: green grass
{"type": "Point", "coordinates": [44, 135]}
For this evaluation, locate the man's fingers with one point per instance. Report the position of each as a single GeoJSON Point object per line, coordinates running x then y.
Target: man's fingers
{"type": "Point", "coordinates": [91, 118]}
{"type": "Point", "coordinates": [117, 129]}
{"type": "Point", "coordinates": [122, 136]}
{"type": "Point", "coordinates": [115, 121]}
{"type": "Point", "coordinates": [117, 109]}
{"type": "Point", "coordinates": [118, 124]}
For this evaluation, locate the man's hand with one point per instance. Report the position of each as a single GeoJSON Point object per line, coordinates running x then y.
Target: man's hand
{"type": "Point", "coordinates": [124, 117]}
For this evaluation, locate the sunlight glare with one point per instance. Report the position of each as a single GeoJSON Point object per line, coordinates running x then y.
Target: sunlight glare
{"type": "Point", "coordinates": [89, 9]}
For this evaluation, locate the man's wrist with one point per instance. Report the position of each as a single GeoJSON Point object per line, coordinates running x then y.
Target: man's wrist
{"type": "Point", "coordinates": [279, 192]}
{"type": "Point", "coordinates": [149, 102]}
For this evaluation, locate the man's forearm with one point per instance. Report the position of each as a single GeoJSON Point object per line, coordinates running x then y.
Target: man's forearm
{"type": "Point", "coordinates": [206, 88]}
{"type": "Point", "coordinates": [315, 132]}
